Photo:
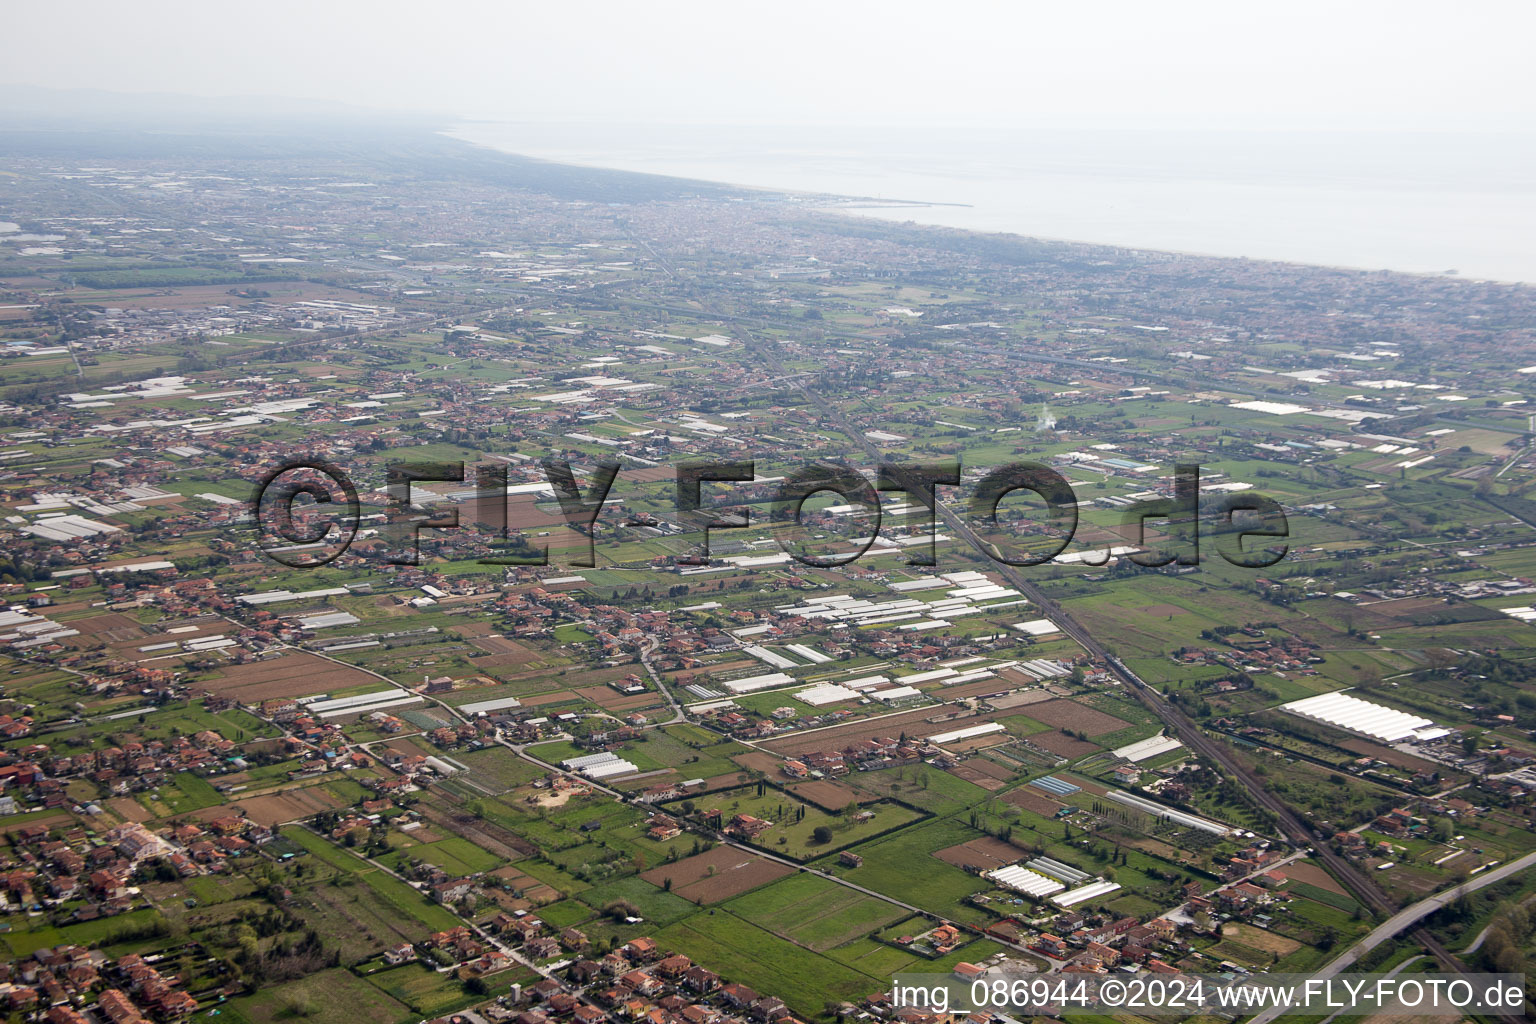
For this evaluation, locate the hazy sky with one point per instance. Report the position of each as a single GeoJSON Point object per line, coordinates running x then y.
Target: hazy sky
{"type": "Point", "coordinates": [1296, 64]}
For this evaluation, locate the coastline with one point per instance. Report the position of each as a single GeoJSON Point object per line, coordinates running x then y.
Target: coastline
{"type": "Point", "coordinates": [1167, 215]}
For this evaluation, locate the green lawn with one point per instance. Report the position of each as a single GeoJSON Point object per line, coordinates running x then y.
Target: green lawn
{"type": "Point", "coordinates": [187, 792]}
{"type": "Point", "coordinates": [901, 865]}
{"type": "Point", "coordinates": [104, 931]}
{"type": "Point", "coordinates": [815, 912]}
{"type": "Point", "coordinates": [925, 787]}
{"type": "Point", "coordinates": [792, 835]}
{"type": "Point", "coordinates": [742, 952]}
{"type": "Point", "coordinates": [565, 913]}
{"type": "Point", "coordinates": [325, 850]}
{"type": "Point", "coordinates": [422, 989]}
{"type": "Point", "coordinates": [695, 752]}
{"type": "Point", "coordinates": [335, 996]}
{"type": "Point", "coordinates": [455, 855]}
{"type": "Point", "coordinates": [402, 897]}
{"type": "Point", "coordinates": [498, 769]}
{"type": "Point", "coordinates": [658, 907]}
{"type": "Point", "coordinates": [410, 902]}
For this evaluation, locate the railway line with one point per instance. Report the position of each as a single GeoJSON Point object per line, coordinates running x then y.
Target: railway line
{"type": "Point", "coordinates": [1295, 831]}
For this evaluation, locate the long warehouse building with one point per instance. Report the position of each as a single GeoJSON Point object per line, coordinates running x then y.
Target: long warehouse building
{"type": "Point", "coordinates": [1363, 718]}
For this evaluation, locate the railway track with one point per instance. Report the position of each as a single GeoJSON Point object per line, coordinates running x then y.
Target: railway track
{"type": "Point", "coordinates": [1297, 832]}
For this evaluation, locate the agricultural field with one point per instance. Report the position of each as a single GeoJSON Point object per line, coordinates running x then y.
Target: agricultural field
{"type": "Point", "coordinates": [814, 912]}
{"type": "Point", "coordinates": [311, 764]}
{"type": "Point", "coordinates": [760, 959]}
{"type": "Point", "coordinates": [716, 875]}
{"type": "Point", "coordinates": [331, 997]}
{"type": "Point", "coordinates": [426, 992]}
{"type": "Point", "coordinates": [292, 675]}
{"type": "Point", "coordinates": [796, 830]}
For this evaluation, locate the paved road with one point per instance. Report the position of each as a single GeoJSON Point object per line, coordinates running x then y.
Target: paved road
{"type": "Point", "coordinates": [646, 650]}
{"type": "Point", "coordinates": [1394, 972]}
{"type": "Point", "coordinates": [1411, 915]}
{"type": "Point", "coordinates": [1407, 918]}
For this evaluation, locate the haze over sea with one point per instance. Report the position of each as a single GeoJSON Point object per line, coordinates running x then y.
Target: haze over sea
{"type": "Point", "coordinates": [1421, 202]}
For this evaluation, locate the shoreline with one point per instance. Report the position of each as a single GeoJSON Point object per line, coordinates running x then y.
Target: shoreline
{"type": "Point", "coordinates": [855, 206]}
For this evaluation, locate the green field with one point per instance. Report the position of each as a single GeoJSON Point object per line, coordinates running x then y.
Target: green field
{"type": "Point", "coordinates": [331, 997]}
{"type": "Point", "coordinates": [792, 833]}
{"type": "Point", "coordinates": [187, 792]}
{"type": "Point", "coordinates": [901, 865]}
{"type": "Point", "coordinates": [740, 951]}
{"type": "Point", "coordinates": [922, 786]}
{"type": "Point", "coordinates": [497, 769]}
{"type": "Point", "coordinates": [103, 931]}
{"type": "Point", "coordinates": [814, 912]}
{"type": "Point", "coordinates": [857, 341]}
{"type": "Point", "coordinates": [455, 855]}
{"type": "Point", "coordinates": [658, 907]}
{"type": "Point", "coordinates": [400, 897]}
{"type": "Point", "coordinates": [425, 991]}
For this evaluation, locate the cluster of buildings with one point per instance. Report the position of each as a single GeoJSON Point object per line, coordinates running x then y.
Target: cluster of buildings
{"type": "Point", "coordinates": [1098, 945]}
{"type": "Point", "coordinates": [48, 870]}
{"type": "Point", "coordinates": [864, 755]}
{"type": "Point", "coordinates": [1242, 900]}
{"type": "Point", "coordinates": [64, 984]}
{"type": "Point", "coordinates": [154, 439]}
{"type": "Point", "coordinates": [1250, 860]}
{"type": "Point", "coordinates": [642, 983]}
{"type": "Point", "coordinates": [106, 328]}
{"type": "Point", "coordinates": [34, 775]}
{"type": "Point", "coordinates": [1252, 650]}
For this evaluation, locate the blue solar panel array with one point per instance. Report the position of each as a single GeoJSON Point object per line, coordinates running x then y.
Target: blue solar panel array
{"type": "Point", "coordinates": [1054, 786]}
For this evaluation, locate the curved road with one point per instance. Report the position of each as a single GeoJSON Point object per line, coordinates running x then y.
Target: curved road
{"type": "Point", "coordinates": [1411, 915]}
{"type": "Point", "coordinates": [1407, 918]}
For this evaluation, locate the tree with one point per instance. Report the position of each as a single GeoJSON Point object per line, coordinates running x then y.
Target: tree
{"type": "Point", "coordinates": [618, 910]}
{"type": "Point", "coordinates": [822, 835]}
{"type": "Point", "coordinates": [247, 940]}
{"type": "Point", "coordinates": [1440, 660]}
{"type": "Point", "coordinates": [299, 1005]}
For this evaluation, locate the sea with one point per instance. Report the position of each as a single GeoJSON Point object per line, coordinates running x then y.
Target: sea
{"type": "Point", "coordinates": [1417, 202]}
